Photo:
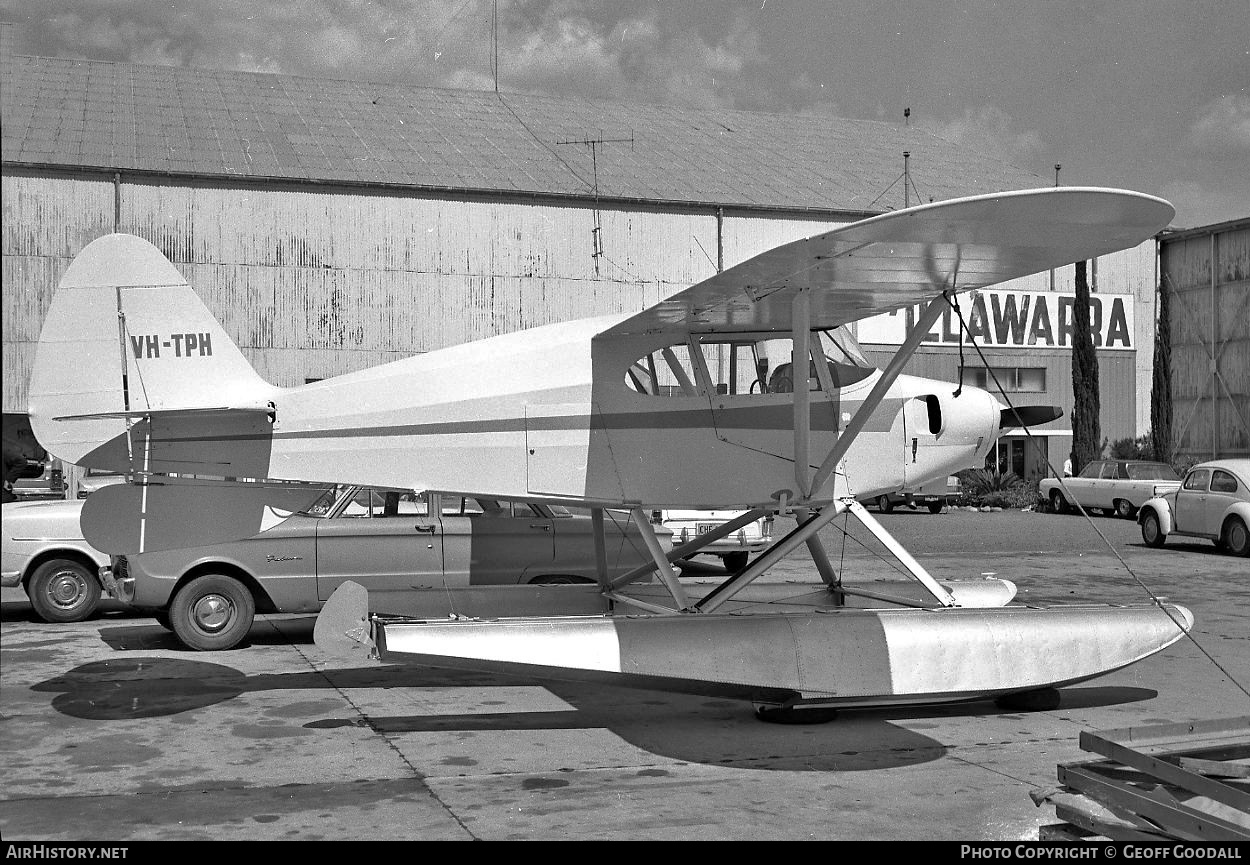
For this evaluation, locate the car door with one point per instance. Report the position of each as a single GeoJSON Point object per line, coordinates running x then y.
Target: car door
{"type": "Point", "coordinates": [1111, 479]}
{"type": "Point", "coordinates": [1223, 492]}
{"type": "Point", "coordinates": [1082, 485]}
{"type": "Point", "coordinates": [1191, 502]}
{"type": "Point", "coordinates": [495, 541]}
{"type": "Point", "coordinates": [383, 540]}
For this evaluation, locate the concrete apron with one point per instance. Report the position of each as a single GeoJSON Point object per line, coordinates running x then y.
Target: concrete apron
{"type": "Point", "coordinates": [113, 732]}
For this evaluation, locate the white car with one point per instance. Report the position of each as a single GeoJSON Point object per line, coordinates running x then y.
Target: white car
{"type": "Point", "coordinates": [734, 549]}
{"type": "Point", "coordinates": [1212, 502]}
{"type": "Point", "coordinates": [44, 552]}
{"type": "Point", "coordinates": [1112, 486]}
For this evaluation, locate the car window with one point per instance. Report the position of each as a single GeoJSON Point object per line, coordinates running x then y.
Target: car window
{"type": "Point", "coordinates": [322, 505]}
{"type": "Point", "coordinates": [1110, 471]}
{"type": "Point", "coordinates": [1152, 472]}
{"type": "Point", "coordinates": [1091, 470]}
{"type": "Point", "coordinates": [1223, 482]}
{"type": "Point", "coordinates": [369, 503]}
{"type": "Point", "coordinates": [1197, 479]}
{"type": "Point", "coordinates": [464, 506]}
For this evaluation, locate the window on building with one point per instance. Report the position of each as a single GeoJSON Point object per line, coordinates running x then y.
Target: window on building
{"type": "Point", "coordinates": [1012, 379]}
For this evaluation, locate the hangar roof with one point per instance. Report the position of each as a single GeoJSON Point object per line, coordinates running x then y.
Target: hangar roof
{"type": "Point", "coordinates": [256, 126]}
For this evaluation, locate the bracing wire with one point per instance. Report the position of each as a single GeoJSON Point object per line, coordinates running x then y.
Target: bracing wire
{"type": "Point", "coordinates": [1128, 569]}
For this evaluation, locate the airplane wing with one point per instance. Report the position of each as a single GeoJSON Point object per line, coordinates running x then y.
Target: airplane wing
{"type": "Point", "coordinates": [906, 258]}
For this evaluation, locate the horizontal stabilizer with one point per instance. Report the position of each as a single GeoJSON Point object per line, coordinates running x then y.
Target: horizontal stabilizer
{"type": "Point", "coordinates": [174, 513]}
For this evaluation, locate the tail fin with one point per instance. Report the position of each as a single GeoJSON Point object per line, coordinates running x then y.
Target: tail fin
{"type": "Point", "coordinates": [130, 364]}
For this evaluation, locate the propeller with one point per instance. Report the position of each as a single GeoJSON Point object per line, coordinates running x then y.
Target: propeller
{"type": "Point", "coordinates": [1028, 415]}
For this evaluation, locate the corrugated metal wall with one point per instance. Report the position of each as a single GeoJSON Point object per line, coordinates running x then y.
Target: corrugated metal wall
{"type": "Point", "coordinates": [316, 281]}
{"type": "Point", "coordinates": [1207, 275]}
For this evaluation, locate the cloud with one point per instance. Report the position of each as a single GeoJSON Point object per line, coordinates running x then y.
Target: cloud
{"type": "Point", "coordinates": [556, 47]}
{"type": "Point", "coordinates": [644, 57]}
{"type": "Point", "coordinates": [1223, 126]}
{"type": "Point", "coordinates": [991, 131]}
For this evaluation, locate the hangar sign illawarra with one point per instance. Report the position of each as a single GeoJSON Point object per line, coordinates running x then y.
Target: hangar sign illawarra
{"type": "Point", "coordinates": [1014, 319]}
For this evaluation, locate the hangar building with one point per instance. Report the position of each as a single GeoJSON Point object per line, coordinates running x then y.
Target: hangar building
{"type": "Point", "coordinates": [334, 225]}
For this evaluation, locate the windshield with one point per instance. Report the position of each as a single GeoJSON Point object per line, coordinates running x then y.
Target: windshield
{"type": "Point", "coordinates": [745, 364]}
{"type": "Point", "coordinates": [1152, 472]}
{"type": "Point", "coordinates": [323, 504]}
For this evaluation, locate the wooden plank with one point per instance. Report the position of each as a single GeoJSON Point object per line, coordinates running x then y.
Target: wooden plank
{"type": "Point", "coordinates": [1173, 739]}
{"type": "Point", "coordinates": [1056, 832]}
{"type": "Point", "coordinates": [1174, 818]}
{"type": "Point", "coordinates": [1235, 728]}
{"type": "Point", "coordinates": [1217, 768]}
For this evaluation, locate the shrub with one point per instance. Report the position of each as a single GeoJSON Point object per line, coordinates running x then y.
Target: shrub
{"type": "Point", "coordinates": [1140, 448]}
{"type": "Point", "coordinates": [988, 488]}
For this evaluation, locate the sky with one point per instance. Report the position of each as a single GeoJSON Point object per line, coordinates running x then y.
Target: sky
{"type": "Point", "coordinates": [1149, 95]}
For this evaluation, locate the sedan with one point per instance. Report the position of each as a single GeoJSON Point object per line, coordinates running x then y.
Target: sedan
{"type": "Point", "coordinates": [45, 553]}
{"type": "Point", "coordinates": [385, 540]}
{"type": "Point", "coordinates": [734, 549]}
{"type": "Point", "coordinates": [1112, 486]}
{"type": "Point", "coordinates": [1212, 502]}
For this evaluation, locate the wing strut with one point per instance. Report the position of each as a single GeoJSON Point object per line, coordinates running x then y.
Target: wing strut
{"type": "Point", "coordinates": [665, 569]}
{"type": "Point", "coordinates": [771, 556]}
{"type": "Point", "coordinates": [695, 545]}
{"type": "Point", "coordinates": [900, 552]}
{"type": "Point", "coordinates": [853, 428]}
{"type": "Point", "coordinates": [800, 357]}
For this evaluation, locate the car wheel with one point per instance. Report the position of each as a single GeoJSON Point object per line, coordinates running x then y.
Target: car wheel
{"type": "Point", "coordinates": [1057, 502]}
{"type": "Point", "coordinates": [885, 505]}
{"type": "Point", "coordinates": [935, 507]}
{"type": "Point", "coordinates": [735, 562]}
{"type": "Point", "coordinates": [1151, 531]}
{"type": "Point", "coordinates": [62, 590]}
{"type": "Point", "coordinates": [212, 613]}
{"type": "Point", "coordinates": [1236, 537]}
{"type": "Point", "coordinates": [1124, 509]}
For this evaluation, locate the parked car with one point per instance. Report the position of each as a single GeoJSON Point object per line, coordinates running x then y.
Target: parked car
{"type": "Point", "coordinates": [1112, 486]}
{"type": "Point", "coordinates": [1212, 502]}
{"type": "Point", "coordinates": [734, 549]}
{"type": "Point", "coordinates": [381, 539]}
{"type": "Point", "coordinates": [93, 479]}
{"type": "Point", "coordinates": [44, 552]}
{"type": "Point", "coordinates": [934, 495]}
{"type": "Point", "coordinates": [48, 484]}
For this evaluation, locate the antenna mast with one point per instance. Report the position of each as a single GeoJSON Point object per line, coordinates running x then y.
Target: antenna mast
{"type": "Point", "coordinates": [593, 144]}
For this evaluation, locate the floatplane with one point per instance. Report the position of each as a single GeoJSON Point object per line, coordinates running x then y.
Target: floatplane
{"type": "Point", "coordinates": [699, 401]}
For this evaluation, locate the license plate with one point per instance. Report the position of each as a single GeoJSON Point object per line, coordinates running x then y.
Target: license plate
{"type": "Point", "coordinates": [704, 528]}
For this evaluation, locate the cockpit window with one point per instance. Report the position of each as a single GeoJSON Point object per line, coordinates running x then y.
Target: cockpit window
{"type": "Point", "coordinates": [744, 364]}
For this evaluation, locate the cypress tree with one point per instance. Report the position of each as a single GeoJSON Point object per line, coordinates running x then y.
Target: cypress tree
{"type": "Point", "coordinates": [1086, 430]}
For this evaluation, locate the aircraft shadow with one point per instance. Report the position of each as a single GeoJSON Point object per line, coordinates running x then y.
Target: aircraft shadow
{"type": "Point", "coordinates": [695, 729]}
